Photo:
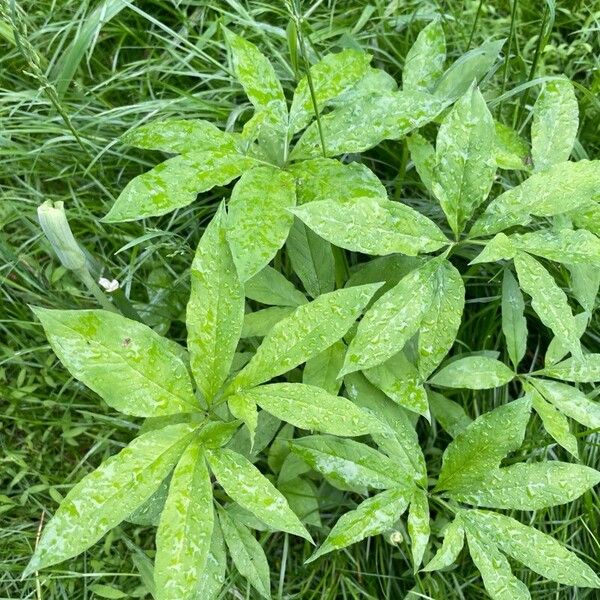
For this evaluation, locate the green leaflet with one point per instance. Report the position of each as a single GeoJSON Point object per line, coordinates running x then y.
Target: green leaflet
{"type": "Point", "coordinates": [512, 151]}
{"type": "Point", "coordinates": [269, 286]}
{"type": "Point", "coordinates": [213, 577]}
{"type": "Point", "coordinates": [422, 154]}
{"type": "Point", "coordinates": [260, 322]}
{"type": "Point", "coordinates": [331, 76]}
{"type": "Point", "coordinates": [495, 570]}
{"type": "Point", "coordinates": [176, 183]}
{"type": "Point", "coordinates": [303, 498]}
{"type": "Point", "coordinates": [185, 530]}
{"type": "Point", "coordinates": [474, 64]}
{"type": "Point", "coordinates": [449, 414]}
{"type": "Point", "coordinates": [585, 284]}
{"type": "Point", "coordinates": [247, 554]}
{"type": "Point", "coordinates": [442, 319]}
{"type": "Point", "coordinates": [259, 222]}
{"type": "Point", "coordinates": [322, 370]}
{"type": "Point", "coordinates": [349, 464]}
{"type": "Point", "coordinates": [557, 348]}
{"type": "Point", "coordinates": [398, 438]}
{"type": "Point", "coordinates": [310, 407]}
{"type": "Point", "coordinates": [514, 324]}
{"type": "Point", "coordinates": [474, 373]}
{"type": "Point", "coordinates": [372, 517]}
{"type": "Point", "coordinates": [569, 400]}
{"type": "Point", "coordinates": [424, 62]}
{"type": "Point", "coordinates": [529, 486]}
{"type": "Point", "coordinates": [245, 484]}
{"type": "Point", "coordinates": [307, 331]}
{"type": "Point", "coordinates": [500, 247]}
{"type": "Point", "coordinates": [555, 123]}
{"type": "Point", "coordinates": [560, 189]}
{"type": "Point", "coordinates": [181, 136]}
{"type": "Point", "coordinates": [372, 226]}
{"type": "Point", "coordinates": [555, 423]}
{"type": "Point", "coordinates": [392, 320]}
{"type": "Point", "coordinates": [483, 444]}
{"type": "Point", "coordinates": [359, 126]}
{"type": "Point", "coordinates": [108, 495]}
{"type": "Point", "coordinates": [399, 380]}
{"type": "Point", "coordinates": [215, 310]}
{"type": "Point", "coordinates": [418, 526]}
{"type": "Point", "coordinates": [329, 179]}
{"type": "Point", "coordinates": [536, 550]}
{"type": "Point", "coordinates": [145, 377]}
{"type": "Point", "coordinates": [374, 81]}
{"type": "Point", "coordinates": [245, 409]}
{"type": "Point", "coordinates": [580, 369]}
{"type": "Point", "coordinates": [548, 300]}
{"type": "Point", "coordinates": [311, 258]}
{"type": "Point", "coordinates": [465, 164]}
{"type": "Point", "coordinates": [454, 539]}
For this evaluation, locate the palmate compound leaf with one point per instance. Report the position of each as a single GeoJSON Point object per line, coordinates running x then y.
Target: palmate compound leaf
{"type": "Point", "coordinates": [348, 464]}
{"type": "Point", "coordinates": [536, 550]}
{"type": "Point", "coordinates": [329, 179]}
{"type": "Point", "coordinates": [555, 123]}
{"type": "Point", "coordinates": [372, 226]}
{"type": "Point", "coordinates": [474, 373]}
{"type": "Point", "coordinates": [185, 530]}
{"type": "Point", "coordinates": [372, 517]}
{"type": "Point", "coordinates": [548, 300]}
{"type": "Point", "coordinates": [424, 61]}
{"type": "Point", "coordinates": [259, 220]}
{"type": "Point", "coordinates": [529, 486]}
{"type": "Point", "coordinates": [307, 331]}
{"type": "Point", "coordinates": [247, 554]}
{"type": "Point", "coordinates": [483, 444]}
{"type": "Point", "coordinates": [108, 495]}
{"type": "Point", "coordinates": [514, 324]}
{"type": "Point", "coordinates": [465, 159]}
{"type": "Point", "coordinates": [333, 75]}
{"type": "Point", "coordinates": [176, 183]}
{"type": "Point", "coordinates": [358, 126]}
{"type": "Point", "coordinates": [181, 136]}
{"type": "Point", "coordinates": [246, 485]}
{"type": "Point", "coordinates": [145, 378]}
{"type": "Point", "coordinates": [392, 320]}
{"type": "Point", "coordinates": [310, 407]}
{"type": "Point", "coordinates": [215, 310]}
{"type": "Point", "coordinates": [561, 188]}
{"type": "Point", "coordinates": [398, 438]}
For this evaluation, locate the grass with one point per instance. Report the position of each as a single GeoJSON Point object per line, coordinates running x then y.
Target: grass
{"type": "Point", "coordinates": [71, 82]}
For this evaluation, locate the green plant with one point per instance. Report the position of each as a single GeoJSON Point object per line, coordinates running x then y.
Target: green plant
{"type": "Point", "coordinates": [412, 307]}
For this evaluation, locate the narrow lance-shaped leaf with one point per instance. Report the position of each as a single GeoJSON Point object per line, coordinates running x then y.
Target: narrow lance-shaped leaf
{"type": "Point", "coordinates": [245, 484]}
{"type": "Point", "coordinates": [580, 369]}
{"type": "Point", "coordinates": [331, 76]}
{"type": "Point", "coordinates": [176, 182]}
{"type": "Point", "coordinates": [495, 570]}
{"type": "Point", "coordinates": [125, 362]}
{"type": "Point", "coordinates": [213, 577]}
{"type": "Point", "coordinates": [483, 444]}
{"type": "Point", "coordinates": [557, 348]}
{"type": "Point", "coordinates": [372, 226]}
{"type": "Point", "coordinates": [442, 319]}
{"type": "Point", "coordinates": [181, 136]}
{"type": "Point", "coordinates": [392, 320]}
{"type": "Point", "coordinates": [418, 526]}
{"type": "Point", "coordinates": [185, 531]}
{"type": "Point", "coordinates": [422, 154]}
{"type": "Point", "coordinates": [247, 554]}
{"type": "Point", "coordinates": [307, 331]}
{"type": "Point", "coordinates": [372, 517]}
{"type": "Point", "coordinates": [548, 300]}
{"type": "Point", "coordinates": [424, 62]}
{"type": "Point", "coordinates": [322, 370]}
{"type": "Point", "coordinates": [258, 221]}
{"type": "Point", "coordinates": [108, 495]}
{"type": "Point", "coordinates": [465, 163]}
{"type": "Point", "coordinates": [245, 409]}
{"type": "Point", "coordinates": [454, 539]}
{"type": "Point", "coordinates": [310, 407]}
{"type": "Point", "coordinates": [215, 310]}
{"type": "Point", "coordinates": [448, 413]}
{"type": "Point", "coordinates": [269, 286]}
{"type": "Point", "coordinates": [474, 373]}
{"type": "Point", "coordinates": [550, 558]}
{"type": "Point", "coordinates": [555, 123]}
{"type": "Point", "coordinates": [514, 324]}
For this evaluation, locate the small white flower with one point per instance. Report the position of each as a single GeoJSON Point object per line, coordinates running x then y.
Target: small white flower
{"type": "Point", "coordinates": [109, 286]}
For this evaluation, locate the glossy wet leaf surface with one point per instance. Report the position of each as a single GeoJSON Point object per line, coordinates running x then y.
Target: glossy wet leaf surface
{"type": "Point", "coordinates": [473, 372]}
